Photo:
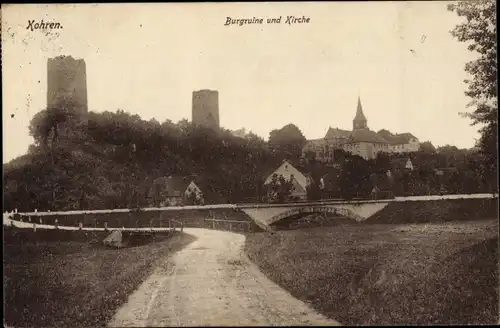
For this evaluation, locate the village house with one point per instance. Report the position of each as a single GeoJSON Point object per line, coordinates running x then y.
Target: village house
{"type": "Point", "coordinates": [300, 180]}
{"type": "Point", "coordinates": [402, 164]}
{"type": "Point", "coordinates": [177, 191]}
{"type": "Point", "coordinates": [400, 142]}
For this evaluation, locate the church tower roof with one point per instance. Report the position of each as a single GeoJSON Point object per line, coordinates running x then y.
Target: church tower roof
{"type": "Point", "coordinates": [359, 121]}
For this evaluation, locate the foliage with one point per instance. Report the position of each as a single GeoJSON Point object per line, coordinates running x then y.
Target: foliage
{"type": "Point", "coordinates": [279, 189]}
{"type": "Point", "coordinates": [287, 141]}
{"type": "Point", "coordinates": [110, 160]}
{"type": "Point", "coordinates": [479, 31]}
{"type": "Point", "coordinates": [354, 177]}
{"type": "Point", "coordinates": [114, 160]}
{"type": "Point", "coordinates": [192, 199]}
{"type": "Point", "coordinates": [313, 192]}
{"type": "Point", "coordinates": [427, 147]}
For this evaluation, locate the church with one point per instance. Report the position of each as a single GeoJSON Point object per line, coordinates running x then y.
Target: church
{"type": "Point", "coordinates": [360, 141]}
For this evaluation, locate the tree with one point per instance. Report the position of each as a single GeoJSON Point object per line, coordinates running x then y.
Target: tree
{"type": "Point", "coordinates": [313, 192]}
{"type": "Point", "coordinates": [288, 140]}
{"type": "Point", "coordinates": [279, 189]}
{"type": "Point", "coordinates": [480, 32]}
{"type": "Point", "coordinates": [355, 177]}
{"type": "Point", "coordinates": [427, 147]}
{"type": "Point", "coordinates": [191, 199]}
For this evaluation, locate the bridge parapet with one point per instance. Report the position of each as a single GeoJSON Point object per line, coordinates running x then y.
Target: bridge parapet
{"type": "Point", "coordinates": [359, 212]}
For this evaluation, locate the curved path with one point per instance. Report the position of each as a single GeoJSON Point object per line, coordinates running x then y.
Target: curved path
{"type": "Point", "coordinates": [211, 282]}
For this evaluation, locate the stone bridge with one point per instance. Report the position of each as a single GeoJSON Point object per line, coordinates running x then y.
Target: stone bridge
{"type": "Point", "coordinates": [265, 216]}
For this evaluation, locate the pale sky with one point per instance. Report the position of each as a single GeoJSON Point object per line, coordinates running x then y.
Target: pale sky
{"type": "Point", "coordinates": [148, 58]}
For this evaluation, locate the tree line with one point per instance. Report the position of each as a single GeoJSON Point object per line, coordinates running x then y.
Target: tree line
{"type": "Point", "coordinates": [110, 160]}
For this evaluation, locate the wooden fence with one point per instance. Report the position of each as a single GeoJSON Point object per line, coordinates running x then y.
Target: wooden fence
{"type": "Point", "coordinates": [228, 225]}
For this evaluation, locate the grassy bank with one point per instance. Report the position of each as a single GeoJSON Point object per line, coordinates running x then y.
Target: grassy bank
{"type": "Point", "coordinates": [69, 279]}
{"type": "Point", "coordinates": [436, 211]}
{"type": "Point", "coordinates": [388, 274]}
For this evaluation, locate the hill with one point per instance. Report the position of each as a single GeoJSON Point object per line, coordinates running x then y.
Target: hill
{"type": "Point", "coordinates": [109, 160]}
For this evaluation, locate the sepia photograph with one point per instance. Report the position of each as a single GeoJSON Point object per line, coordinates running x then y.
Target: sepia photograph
{"type": "Point", "coordinates": [250, 164]}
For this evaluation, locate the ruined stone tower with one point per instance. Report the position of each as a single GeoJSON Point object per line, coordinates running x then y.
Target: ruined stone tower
{"type": "Point", "coordinates": [67, 91]}
{"type": "Point", "coordinates": [206, 108]}
{"type": "Point", "coordinates": [67, 83]}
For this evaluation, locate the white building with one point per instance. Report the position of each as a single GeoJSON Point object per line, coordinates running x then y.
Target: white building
{"type": "Point", "coordinates": [300, 181]}
{"type": "Point", "coordinates": [360, 141]}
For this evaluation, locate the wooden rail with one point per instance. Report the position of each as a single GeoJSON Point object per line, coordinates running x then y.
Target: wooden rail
{"type": "Point", "coordinates": [170, 221]}
{"type": "Point", "coordinates": [214, 221]}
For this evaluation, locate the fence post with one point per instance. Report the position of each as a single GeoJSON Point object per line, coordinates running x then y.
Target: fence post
{"type": "Point", "coordinates": [105, 226]}
{"type": "Point", "coordinates": [80, 226]}
{"type": "Point", "coordinates": [41, 221]}
{"type": "Point", "coordinates": [56, 224]}
{"type": "Point", "coordinates": [29, 218]}
{"type": "Point", "coordinates": [230, 226]}
{"type": "Point", "coordinates": [213, 224]}
{"type": "Point", "coordinates": [34, 226]}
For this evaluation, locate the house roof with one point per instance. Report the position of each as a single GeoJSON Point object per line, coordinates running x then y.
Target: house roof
{"type": "Point", "coordinates": [365, 135]}
{"type": "Point", "coordinates": [315, 142]}
{"type": "Point", "coordinates": [176, 184]}
{"type": "Point", "coordinates": [287, 169]}
{"type": "Point", "coordinates": [336, 133]}
{"type": "Point", "coordinates": [297, 186]}
{"type": "Point", "coordinates": [173, 185]}
{"type": "Point", "coordinates": [396, 139]}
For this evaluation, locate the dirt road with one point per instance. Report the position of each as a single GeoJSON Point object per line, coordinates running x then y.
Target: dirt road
{"type": "Point", "coordinates": [212, 283]}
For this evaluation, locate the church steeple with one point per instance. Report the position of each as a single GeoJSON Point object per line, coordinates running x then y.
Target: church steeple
{"type": "Point", "coordinates": [359, 121]}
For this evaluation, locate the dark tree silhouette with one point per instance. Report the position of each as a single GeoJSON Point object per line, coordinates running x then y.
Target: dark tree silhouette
{"type": "Point", "coordinates": [479, 31]}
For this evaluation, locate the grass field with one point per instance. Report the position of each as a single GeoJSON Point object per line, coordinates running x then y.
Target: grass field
{"type": "Point", "coordinates": [69, 279]}
{"type": "Point", "coordinates": [436, 211]}
{"type": "Point", "coordinates": [387, 274]}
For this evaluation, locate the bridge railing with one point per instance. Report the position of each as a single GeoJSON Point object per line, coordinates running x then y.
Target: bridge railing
{"type": "Point", "coordinates": [192, 216]}
{"type": "Point", "coordinates": [250, 205]}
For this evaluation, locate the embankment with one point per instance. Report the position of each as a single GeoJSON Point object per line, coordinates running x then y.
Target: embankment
{"type": "Point", "coordinates": [436, 211]}
{"type": "Point", "coordinates": [192, 218]}
{"type": "Point", "coordinates": [57, 278]}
